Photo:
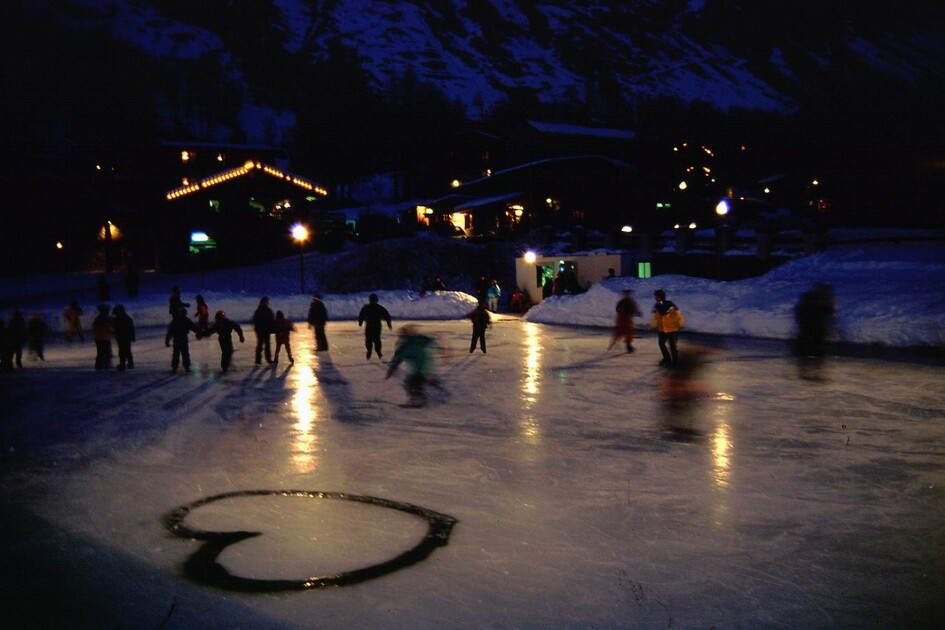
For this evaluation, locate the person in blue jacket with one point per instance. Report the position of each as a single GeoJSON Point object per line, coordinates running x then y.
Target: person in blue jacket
{"type": "Point", "coordinates": [415, 351]}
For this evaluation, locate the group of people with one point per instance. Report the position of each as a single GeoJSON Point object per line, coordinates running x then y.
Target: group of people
{"type": "Point", "coordinates": [16, 333]}
{"type": "Point", "coordinates": [667, 321]}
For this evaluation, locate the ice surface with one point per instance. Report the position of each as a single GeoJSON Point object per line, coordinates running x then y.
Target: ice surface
{"type": "Point", "coordinates": [583, 499]}
{"type": "Point", "coordinates": [590, 489]}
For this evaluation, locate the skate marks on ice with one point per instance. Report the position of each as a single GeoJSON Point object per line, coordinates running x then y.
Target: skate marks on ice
{"type": "Point", "coordinates": [203, 566]}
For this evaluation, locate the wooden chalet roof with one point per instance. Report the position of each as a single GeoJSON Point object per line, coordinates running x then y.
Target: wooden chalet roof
{"type": "Point", "coordinates": [248, 167]}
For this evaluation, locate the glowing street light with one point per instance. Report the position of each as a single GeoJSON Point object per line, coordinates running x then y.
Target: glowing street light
{"type": "Point", "coordinates": [300, 234]}
{"type": "Point", "coordinates": [530, 257]}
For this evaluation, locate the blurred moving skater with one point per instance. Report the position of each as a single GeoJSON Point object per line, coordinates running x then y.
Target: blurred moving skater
{"type": "Point", "coordinates": [626, 309]}
{"type": "Point", "coordinates": [415, 351]}
{"type": "Point", "coordinates": [814, 314]}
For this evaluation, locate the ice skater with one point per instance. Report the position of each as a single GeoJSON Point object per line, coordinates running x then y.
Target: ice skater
{"type": "Point", "coordinates": [224, 327]}
{"type": "Point", "coordinates": [263, 323]}
{"type": "Point", "coordinates": [72, 314]}
{"type": "Point", "coordinates": [178, 331]}
{"type": "Point", "coordinates": [36, 331]}
{"type": "Point", "coordinates": [102, 332]}
{"type": "Point", "coordinates": [626, 309]}
{"type": "Point", "coordinates": [415, 351]}
{"type": "Point", "coordinates": [318, 319]}
{"type": "Point", "coordinates": [124, 335]}
{"type": "Point", "coordinates": [667, 320]}
{"type": "Point", "coordinates": [202, 314]}
{"type": "Point", "coordinates": [373, 314]}
{"type": "Point", "coordinates": [283, 329]}
{"type": "Point", "coordinates": [481, 320]}
{"type": "Point", "coordinates": [16, 332]}
{"type": "Point", "coordinates": [814, 315]}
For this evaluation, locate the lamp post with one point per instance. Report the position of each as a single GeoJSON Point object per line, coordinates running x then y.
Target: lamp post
{"type": "Point", "coordinates": [300, 234]}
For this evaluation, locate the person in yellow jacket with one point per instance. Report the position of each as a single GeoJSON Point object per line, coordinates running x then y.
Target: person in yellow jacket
{"type": "Point", "coordinates": [667, 320]}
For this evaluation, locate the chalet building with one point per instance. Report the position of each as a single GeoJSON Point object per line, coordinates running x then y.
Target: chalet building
{"type": "Point", "coordinates": [235, 204]}
{"type": "Point", "coordinates": [583, 192]}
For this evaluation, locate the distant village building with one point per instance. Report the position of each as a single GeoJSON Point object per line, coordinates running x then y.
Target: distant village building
{"type": "Point", "coordinates": [235, 204]}
{"type": "Point", "coordinates": [587, 192]}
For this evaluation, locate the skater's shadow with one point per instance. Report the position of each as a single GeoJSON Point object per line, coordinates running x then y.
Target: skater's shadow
{"type": "Point", "coordinates": [337, 390]}
{"type": "Point", "coordinates": [589, 363]}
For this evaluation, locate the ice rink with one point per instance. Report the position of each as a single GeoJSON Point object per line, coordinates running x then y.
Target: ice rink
{"type": "Point", "coordinates": [587, 489]}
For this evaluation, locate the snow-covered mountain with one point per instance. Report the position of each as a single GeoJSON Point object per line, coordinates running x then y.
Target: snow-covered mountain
{"type": "Point", "coordinates": [775, 57]}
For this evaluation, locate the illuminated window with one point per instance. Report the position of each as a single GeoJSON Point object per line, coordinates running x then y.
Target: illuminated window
{"type": "Point", "coordinates": [644, 270]}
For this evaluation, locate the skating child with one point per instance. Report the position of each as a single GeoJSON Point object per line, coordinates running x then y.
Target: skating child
{"type": "Point", "coordinates": [283, 328]}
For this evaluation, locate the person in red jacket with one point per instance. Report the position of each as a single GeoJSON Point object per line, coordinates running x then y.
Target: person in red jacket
{"type": "Point", "coordinates": [623, 325]}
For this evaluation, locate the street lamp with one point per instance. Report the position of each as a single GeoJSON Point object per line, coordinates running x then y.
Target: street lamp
{"type": "Point", "coordinates": [300, 234]}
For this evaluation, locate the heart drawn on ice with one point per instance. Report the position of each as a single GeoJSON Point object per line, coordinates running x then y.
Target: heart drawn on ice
{"type": "Point", "coordinates": [205, 565]}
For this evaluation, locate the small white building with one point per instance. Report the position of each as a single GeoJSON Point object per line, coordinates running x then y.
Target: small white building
{"type": "Point", "coordinates": [575, 272]}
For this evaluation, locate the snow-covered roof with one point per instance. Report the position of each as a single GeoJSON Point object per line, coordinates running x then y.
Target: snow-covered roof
{"type": "Point", "coordinates": [581, 130]}
{"type": "Point", "coordinates": [485, 201]}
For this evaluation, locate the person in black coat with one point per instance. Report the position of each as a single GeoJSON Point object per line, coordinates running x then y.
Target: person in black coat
{"type": "Point", "coordinates": [224, 328]}
{"type": "Point", "coordinates": [177, 331]}
{"type": "Point", "coordinates": [16, 329]}
{"type": "Point", "coordinates": [102, 331]}
{"type": "Point", "coordinates": [175, 303]}
{"type": "Point", "coordinates": [264, 323]}
{"type": "Point", "coordinates": [373, 313]}
{"type": "Point", "coordinates": [317, 319]}
{"type": "Point", "coordinates": [36, 332]}
{"type": "Point", "coordinates": [480, 321]}
{"type": "Point", "coordinates": [124, 335]}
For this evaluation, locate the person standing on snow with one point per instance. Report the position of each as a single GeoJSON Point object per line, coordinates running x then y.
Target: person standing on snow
{"type": "Point", "coordinates": [480, 321]}
{"type": "Point", "coordinates": [264, 322]}
{"type": "Point", "coordinates": [667, 320]}
{"type": "Point", "coordinates": [177, 331]}
{"type": "Point", "coordinates": [283, 328]}
{"type": "Point", "coordinates": [224, 328]}
{"type": "Point", "coordinates": [623, 325]}
{"type": "Point", "coordinates": [124, 335]}
{"type": "Point", "coordinates": [102, 332]}
{"type": "Point", "coordinates": [493, 293]}
{"type": "Point", "coordinates": [373, 313]}
{"type": "Point", "coordinates": [415, 352]}
{"type": "Point", "coordinates": [318, 319]}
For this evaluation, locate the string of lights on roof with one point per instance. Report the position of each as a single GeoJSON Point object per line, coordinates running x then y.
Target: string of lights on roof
{"type": "Point", "coordinates": [239, 171]}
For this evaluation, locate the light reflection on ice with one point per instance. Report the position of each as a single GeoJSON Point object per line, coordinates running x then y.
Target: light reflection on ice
{"type": "Point", "coordinates": [721, 445]}
{"type": "Point", "coordinates": [305, 443]}
{"type": "Point", "coordinates": [531, 380]}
